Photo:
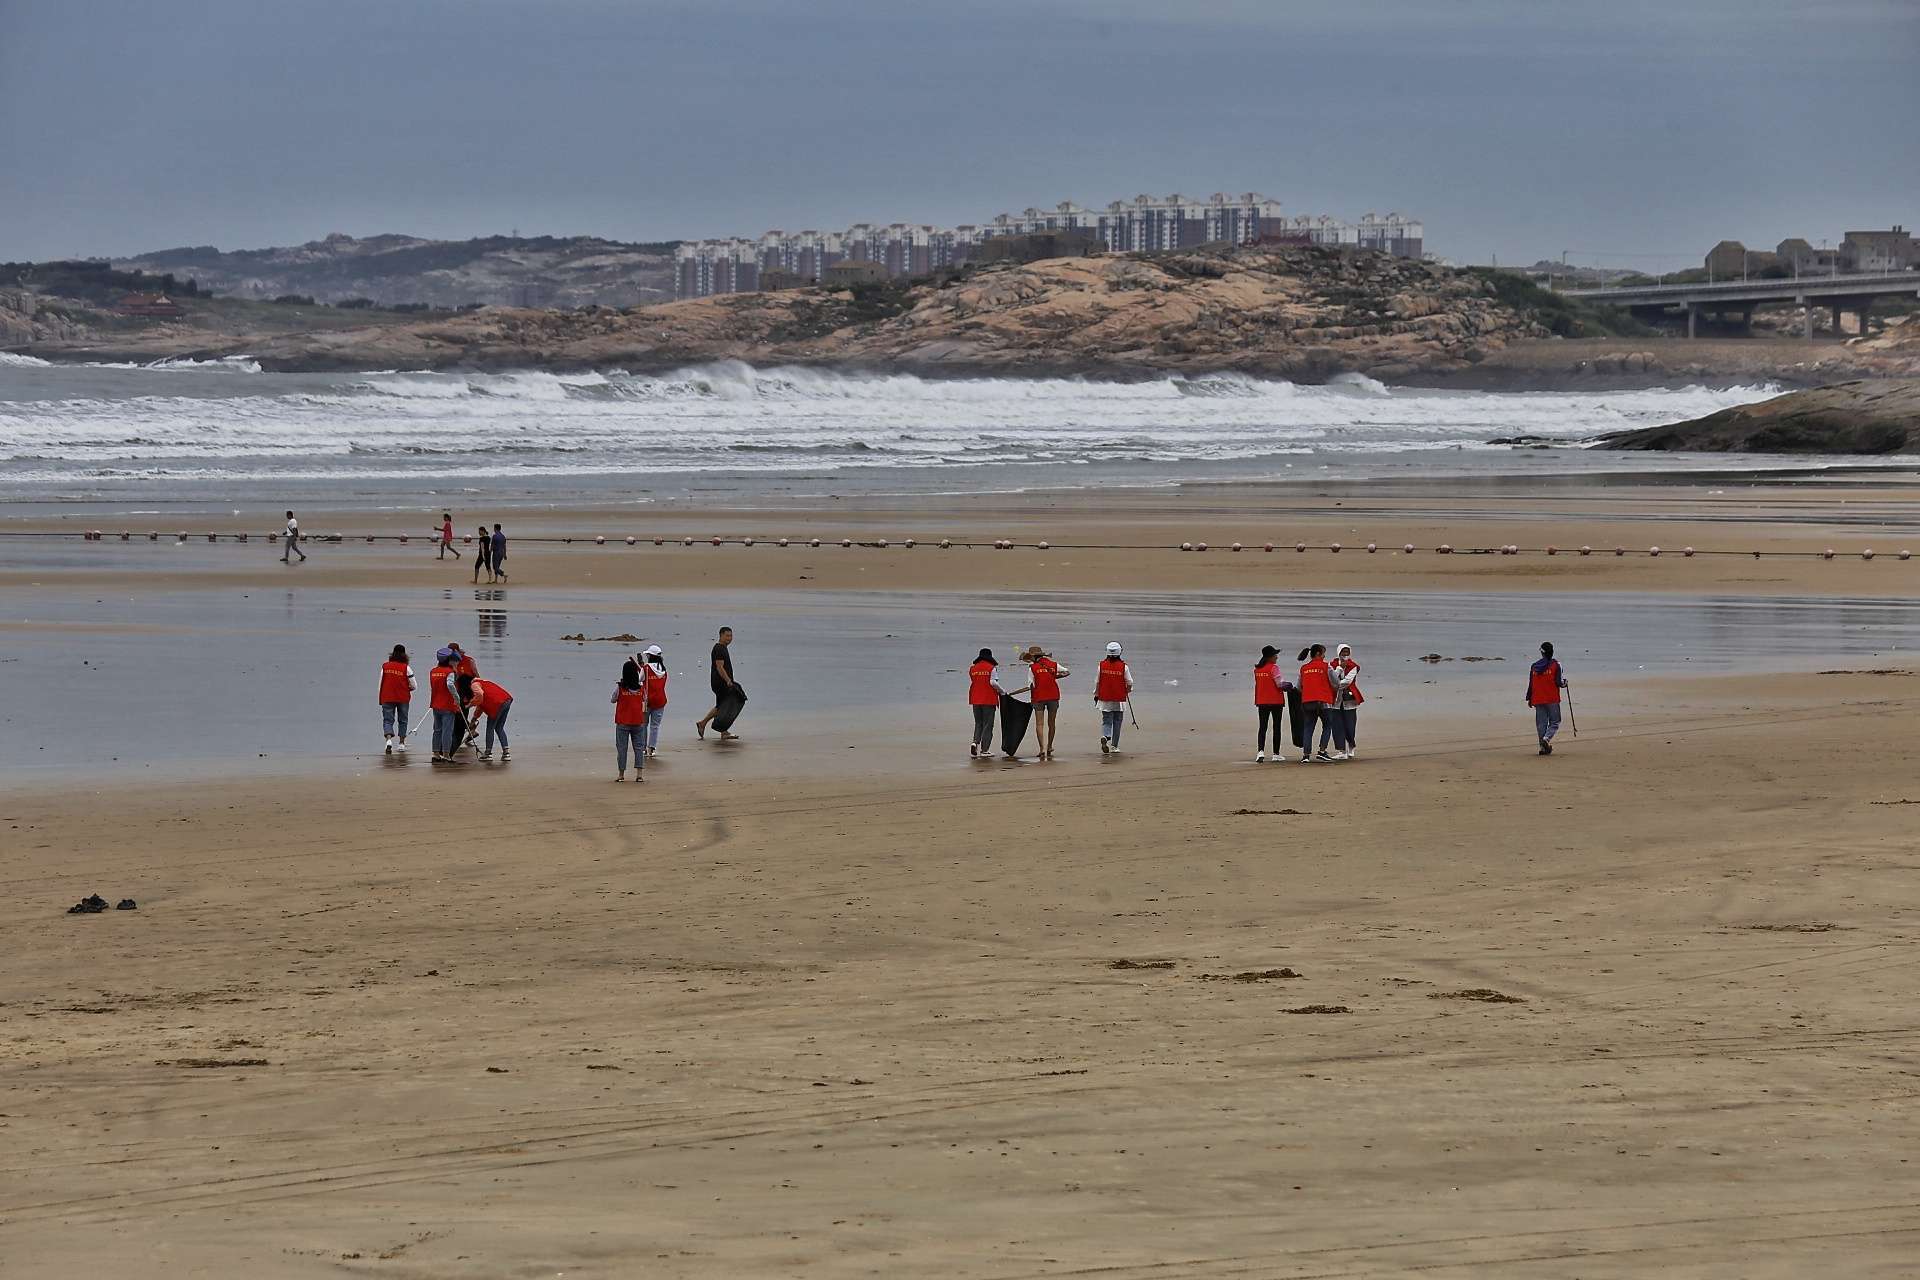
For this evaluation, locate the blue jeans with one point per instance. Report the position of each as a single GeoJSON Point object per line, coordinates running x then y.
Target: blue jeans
{"type": "Point", "coordinates": [654, 717]}
{"type": "Point", "coordinates": [634, 735]}
{"type": "Point", "coordinates": [389, 712]}
{"type": "Point", "coordinates": [497, 725]}
{"type": "Point", "coordinates": [1110, 722]}
{"type": "Point", "coordinates": [446, 732]}
{"type": "Point", "coordinates": [1337, 725]}
{"type": "Point", "coordinates": [1546, 720]}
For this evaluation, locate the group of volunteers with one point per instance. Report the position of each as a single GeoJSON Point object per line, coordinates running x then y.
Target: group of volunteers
{"type": "Point", "coordinates": [1321, 698]}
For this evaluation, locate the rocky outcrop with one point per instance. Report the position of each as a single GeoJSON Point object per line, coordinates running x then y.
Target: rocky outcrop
{"type": "Point", "coordinates": [1865, 417]}
{"type": "Point", "coordinates": [27, 318]}
{"type": "Point", "coordinates": [1295, 312]}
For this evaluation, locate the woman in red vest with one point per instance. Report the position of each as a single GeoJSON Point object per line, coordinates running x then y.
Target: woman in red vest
{"type": "Point", "coordinates": [444, 698]}
{"type": "Point", "coordinates": [1044, 676]}
{"type": "Point", "coordinates": [983, 695]}
{"type": "Point", "coordinates": [491, 699]}
{"type": "Point", "coordinates": [653, 669]}
{"type": "Point", "coordinates": [1112, 692]}
{"type": "Point", "coordinates": [396, 697]}
{"type": "Point", "coordinates": [1316, 699]}
{"type": "Point", "coordinates": [1347, 697]}
{"type": "Point", "coordinates": [1545, 679]}
{"type": "Point", "coordinates": [630, 721]}
{"type": "Point", "coordinates": [1269, 703]}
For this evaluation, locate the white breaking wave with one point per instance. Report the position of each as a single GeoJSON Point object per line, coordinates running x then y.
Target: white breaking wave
{"type": "Point", "coordinates": [128, 420]}
{"type": "Point", "coordinates": [8, 360]}
{"type": "Point", "coordinates": [177, 364]}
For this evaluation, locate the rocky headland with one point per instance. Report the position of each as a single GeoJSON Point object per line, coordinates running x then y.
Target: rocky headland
{"type": "Point", "coordinates": [1880, 416]}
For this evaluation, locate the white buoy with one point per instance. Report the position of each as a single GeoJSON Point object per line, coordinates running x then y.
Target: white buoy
{"type": "Point", "coordinates": [1444, 549]}
{"type": "Point", "coordinates": [1334, 547]}
{"type": "Point", "coordinates": [1199, 546]}
{"type": "Point", "coordinates": [716, 542]}
{"type": "Point", "coordinates": [403, 537]}
{"type": "Point", "coordinates": [1185, 546]}
{"type": "Point", "coordinates": [1234, 547]}
{"type": "Point", "coordinates": [599, 539]}
{"type": "Point", "coordinates": [846, 542]}
{"type": "Point", "coordinates": [1299, 547]}
{"type": "Point", "coordinates": [468, 540]}
{"type": "Point", "coordinates": [1906, 555]}
{"type": "Point", "coordinates": [659, 542]}
{"type": "Point", "coordinates": [1687, 552]}
{"type": "Point", "coordinates": [946, 544]}
{"type": "Point", "coordinates": [1586, 551]}
{"type": "Point", "coordinates": [1372, 547]}
{"type": "Point", "coordinates": [908, 544]}
{"type": "Point", "coordinates": [746, 542]}
{"type": "Point", "coordinates": [881, 543]}
{"type": "Point", "coordinates": [1267, 547]}
{"type": "Point", "coordinates": [783, 542]}
{"type": "Point", "coordinates": [813, 542]}
{"type": "Point", "coordinates": [1653, 551]}
{"type": "Point", "coordinates": [1552, 550]}
{"type": "Point", "coordinates": [1867, 554]}
{"type": "Point", "coordinates": [630, 540]}
{"type": "Point", "coordinates": [1408, 549]}
{"type": "Point", "coordinates": [1827, 554]}
{"type": "Point", "coordinates": [1619, 551]}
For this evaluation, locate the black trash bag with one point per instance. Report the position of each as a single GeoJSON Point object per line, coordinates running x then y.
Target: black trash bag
{"type": "Point", "coordinates": [1296, 719]}
{"type": "Point", "coordinates": [731, 704]}
{"type": "Point", "coordinates": [1015, 716]}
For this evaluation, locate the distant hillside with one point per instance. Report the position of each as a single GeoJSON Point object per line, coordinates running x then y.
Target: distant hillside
{"type": "Point", "coordinates": [536, 271]}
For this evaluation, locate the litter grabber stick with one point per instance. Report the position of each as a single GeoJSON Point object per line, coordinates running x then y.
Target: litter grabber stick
{"type": "Point", "coordinates": [1572, 720]}
{"type": "Point", "coordinates": [1132, 712]}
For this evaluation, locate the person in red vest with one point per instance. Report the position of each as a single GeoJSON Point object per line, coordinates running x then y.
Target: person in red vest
{"type": "Point", "coordinates": [1347, 697]}
{"type": "Point", "coordinates": [446, 537]}
{"type": "Point", "coordinates": [396, 697]}
{"type": "Point", "coordinates": [653, 669]}
{"type": "Point", "coordinates": [1112, 689]}
{"type": "Point", "coordinates": [1043, 677]}
{"type": "Point", "coordinates": [983, 695]}
{"type": "Point", "coordinates": [491, 699]}
{"type": "Point", "coordinates": [443, 696]}
{"type": "Point", "coordinates": [1269, 703]}
{"type": "Point", "coordinates": [1545, 679]}
{"type": "Point", "coordinates": [464, 670]}
{"type": "Point", "coordinates": [629, 721]}
{"type": "Point", "coordinates": [1316, 701]}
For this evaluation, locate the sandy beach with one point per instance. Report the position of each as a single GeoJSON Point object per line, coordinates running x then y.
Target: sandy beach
{"type": "Point", "coordinates": [835, 1000]}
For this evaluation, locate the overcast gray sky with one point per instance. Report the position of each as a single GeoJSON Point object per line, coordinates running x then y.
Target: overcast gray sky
{"type": "Point", "coordinates": [1619, 130]}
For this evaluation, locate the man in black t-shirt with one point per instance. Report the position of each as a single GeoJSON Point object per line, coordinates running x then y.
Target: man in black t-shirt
{"type": "Point", "coordinates": [720, 675]}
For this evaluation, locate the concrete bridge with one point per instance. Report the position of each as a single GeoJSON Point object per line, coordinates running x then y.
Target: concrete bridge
{"type": "Point", "coordinates": [1841, 293]}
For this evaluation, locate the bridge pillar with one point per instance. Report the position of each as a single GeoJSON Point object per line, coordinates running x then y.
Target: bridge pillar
{"type": "Point", "coordinates": [1806, 317]}
{"type": "Point", "coordinates": [1866, 305]}
{"type": "Point", "coordinates": [1693, 317]}
{"type": "Point", "coordinates": [1836, 320]}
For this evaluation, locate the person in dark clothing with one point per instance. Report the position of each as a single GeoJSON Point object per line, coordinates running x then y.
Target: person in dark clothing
{"type": "Point", "coordinates": [1269, 703]}
{"type": "Point", "coordinates": [720, 676]}
{"type": "Point", "coordinates": [499, 555]}
{"type": "Point", "coordinates": [483, 556]}
{"type": "Point", "coordinates": [1545, 679]}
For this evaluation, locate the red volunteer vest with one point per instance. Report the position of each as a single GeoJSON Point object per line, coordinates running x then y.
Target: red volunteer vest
{"type": "Point", "coordinates": [630, 706]}
{"type": "Point", "coordinates": [1314, 684]}
{"type": "Point", "coordinates": [656, 686]}
{"type": "Point", "coordinates": [1543, 686]}
{"type": "Point", "coordinates": [981, 692]}
{"type": "Point", "coordinates": [1046, 680]}
{"type": "Point", "coordinates": [1353, 688]}
{"type": "Point", "coordinates": [1112, 684]}
{"type": "Point", "coordinates": [1266, 686]}
{"type": "Point", "coordinates": [490, 696]}
{"type": "Point", "coordinates": [465, 667]}
{"type": "Point", "coordinates": [439, 697]}
{"type": "Point", "coordinates": [393, 683]}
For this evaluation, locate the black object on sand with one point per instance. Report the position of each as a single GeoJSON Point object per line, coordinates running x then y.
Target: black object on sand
{"type": "Point", "coordinates": [126, 904]}
{"type": "Point", "coordinates": [730, 707]}
{"type": "Point", "coordinates": [1015, 716]}
{"type": "Point", "coordinates": [88, 905]}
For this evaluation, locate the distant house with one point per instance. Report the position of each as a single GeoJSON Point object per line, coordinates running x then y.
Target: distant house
{"type": "Point", "coordinates": [1802, 259]}
{"type": "Point", "coordinates": [1035, 246]}
{"type": "Point", "coordinates": [151, 306]}
{"type": "Point", "coordinates": [855, 271]}
{"type": "Point", "coordinates": [1878, 251]}
{"type": "Point", "coordinates": [1731, 260]}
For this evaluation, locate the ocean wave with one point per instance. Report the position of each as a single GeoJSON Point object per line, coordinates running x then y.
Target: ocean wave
{"type": "Point", "coordinates": [11, 360]}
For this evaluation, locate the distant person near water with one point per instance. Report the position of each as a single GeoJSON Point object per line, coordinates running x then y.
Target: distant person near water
{"type": "Point", "coordinates": [983, 695]}
{"type": "Point", "coordinates": [1112, 694]}
{"type": "Point", "coordinates": [653, 668]}
{"type": "Point", "coordinates": [499, 555]}
{"type": "Point", "coordinates": [728, 697]}
{"type": "Point", "coordinates": [1545, 679]}
{"type": "Point", "coordinates": [397, 684]}
{"type": "Point", "coordinates": [630, 722]}
{"type": "Point", "coordinates": [293, 542]}
{"type": "Point", "coordinates": [446, 537]}
{"type": "Point", "coordinates": [1043, 677]}
{"type": "Point", "coordinates": [483, 556]}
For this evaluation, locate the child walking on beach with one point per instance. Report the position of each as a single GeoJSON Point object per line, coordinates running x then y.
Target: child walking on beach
{"type": "Point", "coordinates": [1545, 679]}
{"type": "Point", "coordinates": [1112, 690]}
{"type": "Point", "coordinates": [983, 695]}
{"type": "Point", "coordinates": [653, 669]}
{"type": "Point", "coordinates": [396, 696]}
{"type": "Point", "coordinates": [446, 537]}
{"type": "Point", "coordinates": [630, 722]}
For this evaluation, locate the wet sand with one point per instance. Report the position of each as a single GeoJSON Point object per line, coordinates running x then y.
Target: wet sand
{"type": "Point", "coordinates": [836, 1000]}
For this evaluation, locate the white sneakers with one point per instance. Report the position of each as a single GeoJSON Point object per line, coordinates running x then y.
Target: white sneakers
{"type": "Point", "coordinates": [389, 746]}
{"type": "Point", "coordinates": [1259, 757]}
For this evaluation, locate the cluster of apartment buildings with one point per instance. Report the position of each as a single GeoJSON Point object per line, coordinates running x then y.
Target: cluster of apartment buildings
{"type": "Point", "coordinates": [1860, 252]}
{"type": "Point", "coordinates": [870, 251]}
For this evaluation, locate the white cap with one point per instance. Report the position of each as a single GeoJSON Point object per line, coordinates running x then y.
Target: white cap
{"type": "Point", "coordinates": [1344, 648]}
{"type": "Point", "coordinates": [1113, 648]}
{"type": "Point", "coordinates": [651, 651]}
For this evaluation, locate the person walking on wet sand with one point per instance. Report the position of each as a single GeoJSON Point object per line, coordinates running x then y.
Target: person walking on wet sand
{"type": "Point", "coordinates": [293, 542]}
{"type": "Point", "coordinates": [983, 695]}
{"type": "Point", "coordinates": [725, 687]}
{"type": "Point", "coordinates": [653, 669]}
{"type": "Point", "coordinates": [1043, 677]}
{"type": "Point", "coordinates": [397, 684]}
{"type": "Point", "coordinates": [483, 557]}
{"type": "Point", "coordinates": [446, 537]}
{"type": "Point", "coordinates": [630, 722]}
{"type": "Point", "coordinates": [1545, 679]}
{"type": "Point", "coordinates": [499, 555]}
{"type": "Point", "coordinates": [1112, 694]}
